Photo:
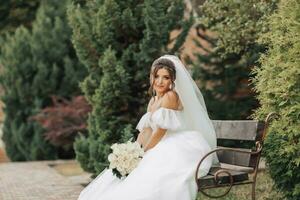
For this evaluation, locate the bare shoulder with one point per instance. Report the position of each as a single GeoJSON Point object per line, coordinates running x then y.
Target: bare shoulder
{"type": "Point", "coordinates": [170, 100]}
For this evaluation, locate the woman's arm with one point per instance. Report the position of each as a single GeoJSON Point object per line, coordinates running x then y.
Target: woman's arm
{"type": "Point", "coordinates": [170, 100]}
{"type": "Point", "coordinates": [155, 138]}
{"type": "Point", "coordinates": [144, 136]}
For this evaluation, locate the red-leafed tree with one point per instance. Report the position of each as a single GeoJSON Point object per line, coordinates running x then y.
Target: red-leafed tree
{"type": "Point", "coordinates": [64, 120]}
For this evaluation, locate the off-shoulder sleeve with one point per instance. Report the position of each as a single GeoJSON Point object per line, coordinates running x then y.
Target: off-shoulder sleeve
{"type": "Point", "coordinates": [167, 118]}
{"type": "Point", "coordinates": [144, 122]}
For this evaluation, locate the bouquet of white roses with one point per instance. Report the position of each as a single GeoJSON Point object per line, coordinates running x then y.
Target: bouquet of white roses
{"type": "Point", "coordinates": [124, 158]}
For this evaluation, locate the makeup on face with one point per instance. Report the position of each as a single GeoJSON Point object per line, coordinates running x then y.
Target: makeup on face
{"type": "Point", "coordinates": [162, 81]}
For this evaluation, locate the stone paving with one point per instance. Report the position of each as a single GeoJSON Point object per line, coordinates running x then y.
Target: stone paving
{"type": "Point", "coordinates": [38, 181]}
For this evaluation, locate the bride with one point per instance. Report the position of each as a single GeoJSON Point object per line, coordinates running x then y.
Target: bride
{"type": "Point", "coordinates": [175, 133]}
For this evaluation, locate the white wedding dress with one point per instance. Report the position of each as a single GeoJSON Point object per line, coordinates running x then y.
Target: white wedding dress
{"type": "Point", "coordinates": [166, 172]}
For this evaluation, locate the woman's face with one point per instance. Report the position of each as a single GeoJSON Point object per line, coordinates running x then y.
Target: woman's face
{"type": "Point", "coordinates": [162, 81]}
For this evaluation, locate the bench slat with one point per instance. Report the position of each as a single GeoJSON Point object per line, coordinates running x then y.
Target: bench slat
{"type": "Point", "coordinates": [234, 158]}
{"type": "Point", "coordinates": [208, 180]}
{"type": "Point", "coordinates": [236, 130]}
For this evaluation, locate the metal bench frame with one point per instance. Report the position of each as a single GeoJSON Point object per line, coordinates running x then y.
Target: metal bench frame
{"type": "Point", "coordinates": [223, 177]}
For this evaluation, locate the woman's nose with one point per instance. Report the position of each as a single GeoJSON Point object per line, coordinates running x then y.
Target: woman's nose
{"type": "Point", "coordinates": [159, 80]}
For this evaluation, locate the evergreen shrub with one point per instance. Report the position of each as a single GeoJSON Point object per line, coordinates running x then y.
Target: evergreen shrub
{"type": "Point", "coordinates": [278, 85]}
{"type": "Point", "coordinates": [227, 32]}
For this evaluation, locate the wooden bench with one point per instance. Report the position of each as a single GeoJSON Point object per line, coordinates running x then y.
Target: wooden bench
{"type": "Point", "coordinates": [236, 164]}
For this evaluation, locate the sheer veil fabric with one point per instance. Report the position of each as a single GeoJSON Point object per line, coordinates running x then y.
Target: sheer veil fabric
{"type": "Point", "coordinates": [194, 111]}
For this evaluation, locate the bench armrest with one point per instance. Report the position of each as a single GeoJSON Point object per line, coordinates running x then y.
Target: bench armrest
{"type": "Point", "coordinates": [224, 171]}
{"type": "Point", "coordinates": [257, 151]}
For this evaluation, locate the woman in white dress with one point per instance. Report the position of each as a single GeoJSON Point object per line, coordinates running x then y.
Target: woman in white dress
{"type": "Point", "coordinates": [175, 133]}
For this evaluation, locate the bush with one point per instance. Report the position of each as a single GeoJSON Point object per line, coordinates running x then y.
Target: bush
{"type": "Point", "coordinates": [278, 84]}
{"type": "Point", "coordinates": [63, 120]}
{"type": "Point", "coordinates": [14, 13]}
{"type": "Point", "coordinates": [228, 31]}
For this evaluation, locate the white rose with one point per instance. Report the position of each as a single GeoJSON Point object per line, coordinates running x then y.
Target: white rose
{"type": "Point", "coordinates": [111, 157]}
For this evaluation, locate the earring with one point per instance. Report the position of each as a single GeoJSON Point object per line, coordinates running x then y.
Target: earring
{"type": "Point", "coordinates": [172, 86]}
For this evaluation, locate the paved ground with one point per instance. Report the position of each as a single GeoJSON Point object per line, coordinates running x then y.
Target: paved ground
{"type": "Point", "coordinates": [44, 180]}
{"type": "Point", "coordinates": [40, 180]}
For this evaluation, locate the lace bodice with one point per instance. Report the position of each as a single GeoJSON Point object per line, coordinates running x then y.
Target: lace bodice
{"type": "Point", "coordinates": [165, 118]}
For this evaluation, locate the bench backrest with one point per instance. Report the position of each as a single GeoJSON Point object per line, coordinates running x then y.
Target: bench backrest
{"type": "Point", "coordinates": [243, 130]}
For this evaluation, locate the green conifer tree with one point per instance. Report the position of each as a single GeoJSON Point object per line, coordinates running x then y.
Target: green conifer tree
{"type": "Point", "coordinates": [117, 41]}
{"type": "Point", "coordinates": [230, 29]}
{"type": "Point", "coordinates": [278, 85]}
{"type": "Point", "coordinates": [14, 13]}
{"type": "Point", "coordinates": [36, 64]}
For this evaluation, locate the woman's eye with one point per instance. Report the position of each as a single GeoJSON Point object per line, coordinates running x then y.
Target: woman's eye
{"type": "Point", "coordinates": [164, 77]}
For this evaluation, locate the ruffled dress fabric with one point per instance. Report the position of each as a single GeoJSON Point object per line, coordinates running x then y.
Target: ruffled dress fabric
{"type": "Point", "coordinates": [166, 172]}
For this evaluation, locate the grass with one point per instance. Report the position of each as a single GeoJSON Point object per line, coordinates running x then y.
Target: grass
{"type": "Point", "coordinates": [264, 190]}
{"type": "Point", "coordinates": [69, 169]}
